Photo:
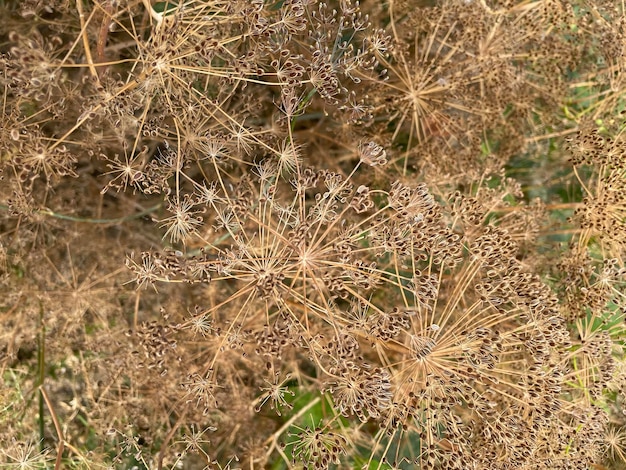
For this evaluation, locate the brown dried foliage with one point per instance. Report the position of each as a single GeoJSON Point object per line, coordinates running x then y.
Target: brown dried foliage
{"type": "Point", "coordinates": [290, 234]}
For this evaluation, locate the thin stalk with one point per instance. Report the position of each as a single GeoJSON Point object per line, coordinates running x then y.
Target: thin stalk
{"type": "Point", "coordinates": [87, 220]}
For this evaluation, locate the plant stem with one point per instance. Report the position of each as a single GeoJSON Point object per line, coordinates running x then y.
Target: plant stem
{"type": "Point", "coordinates": [71, 218]}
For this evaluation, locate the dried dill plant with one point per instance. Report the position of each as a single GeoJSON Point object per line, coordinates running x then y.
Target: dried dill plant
{"type": "Point", "coordinates": [592, 285]}
{"type": "Point", "coordinates": [410, 316]}
{"type": "Point", "coordinates": [469, 80]}
{"type": "Point", "coordinates": [271, 149]}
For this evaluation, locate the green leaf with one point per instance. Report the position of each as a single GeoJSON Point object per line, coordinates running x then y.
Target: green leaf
{"type": "Point", "coordinates": [165, 7]}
